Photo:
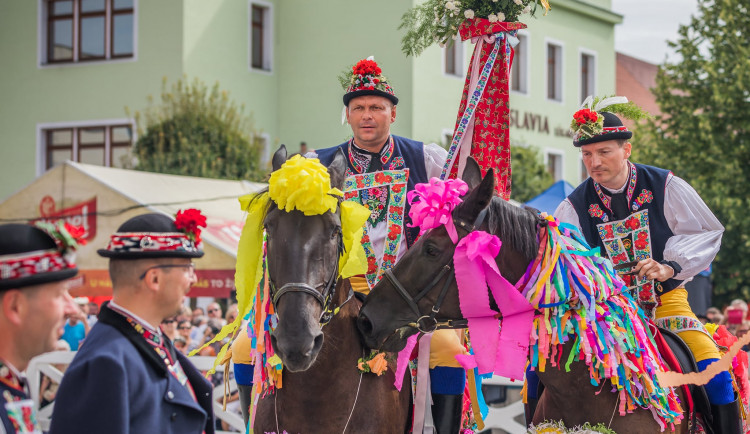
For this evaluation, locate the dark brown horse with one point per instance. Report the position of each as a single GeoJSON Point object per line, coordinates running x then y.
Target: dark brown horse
{"type": "Point", "coordinates": [323, 392]}
{"type": "Point", "coordinates": [386, 318]}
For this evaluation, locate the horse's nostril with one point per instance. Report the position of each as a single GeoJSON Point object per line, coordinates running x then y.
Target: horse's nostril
{"type": "Point", "coordinates": [317, 343]}
{"type": "Point", "coordinates": [365, 326]}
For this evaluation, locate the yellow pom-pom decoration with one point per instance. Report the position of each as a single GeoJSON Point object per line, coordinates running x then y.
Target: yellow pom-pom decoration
{"type": "Point", "coordinates": [305, 185]}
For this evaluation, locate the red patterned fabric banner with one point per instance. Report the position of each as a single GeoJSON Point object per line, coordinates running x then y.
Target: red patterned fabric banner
{"type": "Point", "coordinates": [488, 128]}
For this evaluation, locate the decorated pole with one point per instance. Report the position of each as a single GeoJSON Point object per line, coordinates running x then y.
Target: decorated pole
{"type": "Point", "coordinates": [482, 124]}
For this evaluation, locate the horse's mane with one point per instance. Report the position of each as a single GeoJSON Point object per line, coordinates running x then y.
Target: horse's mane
{"type": "Point", "coordinates": [515, 225]}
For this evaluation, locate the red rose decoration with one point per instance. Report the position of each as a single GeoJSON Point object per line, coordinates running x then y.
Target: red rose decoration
{"type": "Point", "coordinates": [190, 221]}
{"type": "Point", "coordinates": [366, 67]}
{"type": "Point", "coordinates": [585, 115]}
{"type": "Point", "coordinates": [77, 232]}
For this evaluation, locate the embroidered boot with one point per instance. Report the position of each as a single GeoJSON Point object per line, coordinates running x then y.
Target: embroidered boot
{"type": "Point", "coordinates": [446, 413]}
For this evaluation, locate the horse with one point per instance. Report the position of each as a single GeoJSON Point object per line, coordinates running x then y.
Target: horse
{"type": "Point", "coordinates": [389, 314]}
{"type": "Point", "coordinates": [322, 390]}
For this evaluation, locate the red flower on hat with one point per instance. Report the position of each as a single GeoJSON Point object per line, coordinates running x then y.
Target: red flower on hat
{"type": "Point", "coordinates": [585, 115]}
{"type": "Point", "coordinates": [366, 67]}
{"type": "Point", "coordinates": [190, 221]}
{"type": "Point", "coordinates": [77, 232]}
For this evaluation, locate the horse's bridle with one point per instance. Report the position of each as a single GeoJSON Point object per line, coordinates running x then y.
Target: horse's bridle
{"type": "Point", "coordinates": [324, 298]}
{"type": "Point", "coordinates": [429, 323]}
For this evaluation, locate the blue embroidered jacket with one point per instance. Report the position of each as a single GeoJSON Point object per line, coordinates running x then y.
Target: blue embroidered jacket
{"type": "Point", "coordinates": [407, 154]}
{"type": "Point", "coordinates": [592, 212]}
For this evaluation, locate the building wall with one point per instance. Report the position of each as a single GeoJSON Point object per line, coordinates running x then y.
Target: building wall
{"type": "Point", "coordinates": [299, 99]}
{"type": "Point", "coordinates": [74, 93]}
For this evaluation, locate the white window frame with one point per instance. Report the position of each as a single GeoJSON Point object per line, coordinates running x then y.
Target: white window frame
{"type": "Point", "coordinates": [459, 61]}
{"type": "Point", "coordinates": [265, 151]}
{"type": "Point", "coordinates": [560, 79]}
{"type": "Point", "coordinates": [523, 63]}
{"type": "Point", "coordinates": [42, 40]}
{"type": "Point", "coordinates": [446, 137]}
{"type": "Point", "coordinates": [592, 77]}
{"type": "Point", "coordinates": [268, 40]}
{"type": "Point", "coordinates": [558, 175]}
{"type": "Point", "coordinates": [41, 144]}
{"type": "Point", "coordinates": [582, 171]}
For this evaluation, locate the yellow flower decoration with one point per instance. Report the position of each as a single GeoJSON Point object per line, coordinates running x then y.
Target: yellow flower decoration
{"type": "Point", "coordinates": [305, 185]}
{"type": "Point", "coordinates": [354, 260]}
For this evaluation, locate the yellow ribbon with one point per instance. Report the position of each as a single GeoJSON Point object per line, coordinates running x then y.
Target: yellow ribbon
{"type": "Point", "coordinates": [354, 260]}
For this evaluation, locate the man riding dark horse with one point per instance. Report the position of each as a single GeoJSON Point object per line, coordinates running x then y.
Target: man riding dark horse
{"type": "Point", "coordinates": [657, 231]}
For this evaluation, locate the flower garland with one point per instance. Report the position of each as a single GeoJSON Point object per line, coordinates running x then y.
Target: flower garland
{"type": "Point", "coordinates": [580, 297]}
{"type": "Point", "coordinates": [439, 20]}
{"type": "Point", "coordinates": [558, 427]}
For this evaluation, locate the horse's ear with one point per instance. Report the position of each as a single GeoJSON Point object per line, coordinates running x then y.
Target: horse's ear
{"type": "Point", "coordinates": [478, 198]}
{"type": "Point", "coordinates": [472, 173]}
{"type": "Point", "coordinates": [337, 169]}
{"type": "Point", "coordinates": [279, 158]}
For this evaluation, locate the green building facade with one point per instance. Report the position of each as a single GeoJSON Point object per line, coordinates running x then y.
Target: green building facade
{"type": "Point", "coordinates": [70, 68]}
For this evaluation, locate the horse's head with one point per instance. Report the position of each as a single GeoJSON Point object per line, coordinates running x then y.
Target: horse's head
{"type": "Point", "coordinates": [302, 260]}
{"type": "Point", "coordinates": [423, 281]}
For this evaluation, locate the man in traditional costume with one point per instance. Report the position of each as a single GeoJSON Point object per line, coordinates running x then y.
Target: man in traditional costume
{"type": "Point", "coordinates": [382, 168]}
{"type": "Point", "coordinates": [35, 264]}
{"type": "Point", "coordinates": [653, 224]}
{"type": "Point", "coordinates": [127, 376]}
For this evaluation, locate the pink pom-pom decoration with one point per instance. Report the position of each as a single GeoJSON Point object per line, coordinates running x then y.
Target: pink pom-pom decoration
{"type": "Point", "coordinates": [432, 204]}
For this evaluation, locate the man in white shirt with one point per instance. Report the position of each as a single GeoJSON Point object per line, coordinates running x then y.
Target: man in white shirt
{"type": "Point", "coordinates": [658, 233]}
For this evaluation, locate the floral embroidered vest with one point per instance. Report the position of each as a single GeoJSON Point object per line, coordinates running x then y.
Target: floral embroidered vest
{"type": "Point", "coordinates": [643, 234]}
{"type": "Point", "coordinates": [384, 193]}
{"type": "Point", "coordinates": [17, 411]}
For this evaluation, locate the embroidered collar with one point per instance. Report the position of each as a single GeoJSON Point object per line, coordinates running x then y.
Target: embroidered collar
{"type": "Point", "coordinates": [10, 376]}
{"type": "Point", "coordinates": [360, 158]}
{"type": "Point", "coordinates": [632, 179]}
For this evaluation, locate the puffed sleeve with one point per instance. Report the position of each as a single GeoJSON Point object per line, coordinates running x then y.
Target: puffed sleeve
{"type": "Point", "coordinates": [697, 232]}
{"type": "Point", "coordinates": [434, 159]}
{"type": "Point", "coordinates": [567, 214]}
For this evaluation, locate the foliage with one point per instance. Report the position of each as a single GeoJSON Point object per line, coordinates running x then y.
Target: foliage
{"type": "Point", "coordinates": [703, 135]}
{"type": "Point", "coordinates": [438, 20]}
{"type": "Point", "coordinates": [197, 131]}
{"type": "Point", "coordinates": [530, 176]}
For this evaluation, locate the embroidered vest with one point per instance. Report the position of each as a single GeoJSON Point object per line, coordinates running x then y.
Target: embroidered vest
{"type": "Point", "coordinates": [384, 192]}
{"type": "Point", "coordinates": [17, 411]}
{"type": "Point", "coordinates": [643, 234]}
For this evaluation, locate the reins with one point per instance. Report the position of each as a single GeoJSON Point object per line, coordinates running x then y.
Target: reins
{"type": "Point", "coordinates": [430, 323]}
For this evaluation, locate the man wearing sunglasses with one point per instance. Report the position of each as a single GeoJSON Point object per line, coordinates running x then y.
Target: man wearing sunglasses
{"type": "Point", "coordinates": [127, 376]}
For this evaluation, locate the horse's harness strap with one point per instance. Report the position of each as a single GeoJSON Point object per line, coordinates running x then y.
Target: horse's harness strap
{"type": "Point", "coordinates": [298, 287]}
{"type": "Point", "coordinates": [401, 290]}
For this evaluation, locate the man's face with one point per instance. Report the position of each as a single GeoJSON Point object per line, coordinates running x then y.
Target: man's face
{"type": "Point", "coordinates": [214, 310]}
{"type": "Point", "coordinates": [93, 309]}
{"type": "Point", "coordinates": [174, 284]}
{"type": "Point", "coordinates": [48, 306]}
{"type": "Point", "coordinates": [370, 118]}
{"type": "Point", "coordinates": [606, 162]}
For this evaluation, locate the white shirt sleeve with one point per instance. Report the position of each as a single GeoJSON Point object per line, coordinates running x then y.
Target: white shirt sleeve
{"type": "Point", "coordinates": [697, 232]}
{"type": "Point", "coordinates": [434, 159]}
{"type": "Point", "coordinates": [567, 214]}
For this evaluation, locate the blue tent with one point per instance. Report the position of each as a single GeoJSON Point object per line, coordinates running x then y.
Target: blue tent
{"type": "Point", "coordinates": [550, 198]}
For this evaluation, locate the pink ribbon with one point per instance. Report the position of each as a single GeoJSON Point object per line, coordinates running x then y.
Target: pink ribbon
{"type": "Point", "coordinates": [504, 352]}
{"type": "Point", "coordinates": [403, 361]}
{"type": "Point", "coordinates": [436, 201]}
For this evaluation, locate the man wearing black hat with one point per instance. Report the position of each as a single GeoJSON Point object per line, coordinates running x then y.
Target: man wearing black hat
{"type": "Point", "coordinates": [382, 168]}
{"type": "Point", "coordinates": [35, 264]}
{"type": "Point", "coordinates": [655, 228]}
{"type": "Point", "coordinates": [127, 376]}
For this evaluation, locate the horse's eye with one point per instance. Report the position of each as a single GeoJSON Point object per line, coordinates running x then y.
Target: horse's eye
{"type": "Point", "coordinates": [431, 250]}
